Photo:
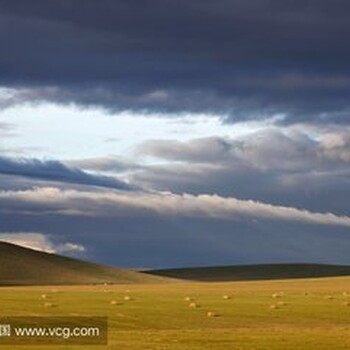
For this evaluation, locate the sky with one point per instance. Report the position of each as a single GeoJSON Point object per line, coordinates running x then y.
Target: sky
{"type": "Point", "coordinates": [176, 133]}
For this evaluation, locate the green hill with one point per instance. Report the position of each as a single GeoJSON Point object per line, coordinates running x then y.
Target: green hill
{"type": "Point", "coordinates": [23, 266]}
{"type": "Point", "coordinates": [254, 272]}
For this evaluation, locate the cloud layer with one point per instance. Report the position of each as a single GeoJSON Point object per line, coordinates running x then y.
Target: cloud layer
{"type": "Point", "coordinates": [114, 204]}
{"type": "Point", "coordinates": [163, 229]}
{"type": "Point", "coordinates": [274, 189]}
{"type": "Point", "coordinates": [56, 171]}
{"type": "Point", "coordinates": [299, 166]}
{"type": "Point", "coordinates": [239, 59]}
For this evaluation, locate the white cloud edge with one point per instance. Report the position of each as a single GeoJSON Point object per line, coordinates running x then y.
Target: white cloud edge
{"type": "Point", "coordinates": [40, 242]}
{"type": "Point", "coordinates": [139, 204]}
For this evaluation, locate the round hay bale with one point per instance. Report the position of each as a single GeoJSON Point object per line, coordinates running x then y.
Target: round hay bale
{"type": "Point", "coordinates": [277, 295]}
{"type": "Point", "coordinates": [48, 305]}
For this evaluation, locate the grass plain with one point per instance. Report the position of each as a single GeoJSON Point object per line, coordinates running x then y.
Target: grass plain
{"type": "Point", "coordinates": [293, 314]}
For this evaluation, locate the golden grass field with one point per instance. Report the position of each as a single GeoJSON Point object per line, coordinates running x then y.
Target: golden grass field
{"type": "Point", "coordinates": [294, 314]}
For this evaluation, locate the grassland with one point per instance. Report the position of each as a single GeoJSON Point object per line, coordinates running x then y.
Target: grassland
{"type": "Point", "coordinates": [261, 307]}
{"type": "Point", "coordinates": [297, 314]}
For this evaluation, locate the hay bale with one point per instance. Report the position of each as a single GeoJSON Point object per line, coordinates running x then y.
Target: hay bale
{"type": "Point", "coordinates": [226, 297]}
{"type": "Point", "coordinates": [277, 295]}
{"type": "Point", "coordinates": [48, 305]}
{"type": "Point", "coordinates": [212, 314]}
{"type": "Point", "coordinates": [127, 298]}
{"type": "Point", "coordinates": [193, 305]}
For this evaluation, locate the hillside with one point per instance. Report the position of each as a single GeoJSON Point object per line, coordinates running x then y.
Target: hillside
{"type": "Point", "coordinates": [254, 272]}
{"type": "Point", "coordinates": [23, 266]}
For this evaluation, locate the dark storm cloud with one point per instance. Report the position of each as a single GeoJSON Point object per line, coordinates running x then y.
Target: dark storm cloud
{"type": "Point", "coordinates": [163, 242]}
{"type": "Point", "coordinates": [243, 59]}
{"type": "Point", "coordinates": [56, 171]}
{"type": "Point", "coordinates": [156, 230]}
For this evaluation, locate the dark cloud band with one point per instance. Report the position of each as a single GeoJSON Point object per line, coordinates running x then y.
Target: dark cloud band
{"type": "Point", "coordinates": [56, 171]}
{"type": "Point", "coordinates": [239, 59]}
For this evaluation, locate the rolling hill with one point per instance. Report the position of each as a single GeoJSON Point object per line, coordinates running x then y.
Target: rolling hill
{"type": "Point", "coordinates": [23, 266]}
{"type": "Point", "coordinates": [254, 272]}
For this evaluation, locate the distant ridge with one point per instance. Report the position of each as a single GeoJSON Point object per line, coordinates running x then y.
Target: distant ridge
{"type": "Point", "coordinates": [254, 272]}
{"type": "Point", "coordinates": [23, 266]}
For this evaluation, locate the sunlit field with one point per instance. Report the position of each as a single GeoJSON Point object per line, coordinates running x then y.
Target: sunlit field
{"type": "Point", "coordinates": [300, 314]}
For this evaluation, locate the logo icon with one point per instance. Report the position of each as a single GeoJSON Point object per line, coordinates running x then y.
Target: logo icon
{"type": "Point", "coordinates": [5, 330]}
